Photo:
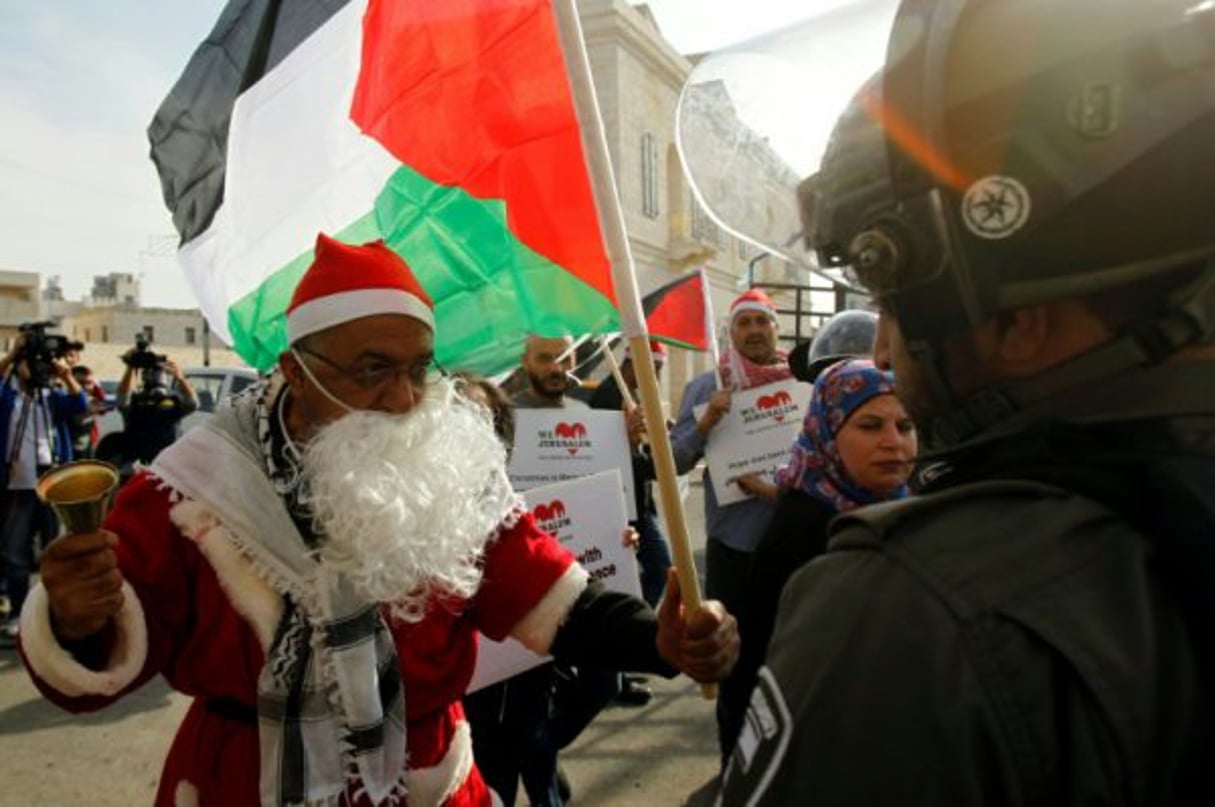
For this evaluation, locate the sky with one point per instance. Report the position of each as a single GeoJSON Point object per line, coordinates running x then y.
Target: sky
{"type": "Point", "coordinates": [79, 83]}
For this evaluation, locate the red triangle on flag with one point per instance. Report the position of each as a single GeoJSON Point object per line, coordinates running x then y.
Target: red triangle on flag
{"type": "Point", "coordinates": [677, 313]}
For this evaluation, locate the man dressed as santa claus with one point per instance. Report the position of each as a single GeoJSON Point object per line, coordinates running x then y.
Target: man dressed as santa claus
{"type": "Point", "coordinates": [313, 564]}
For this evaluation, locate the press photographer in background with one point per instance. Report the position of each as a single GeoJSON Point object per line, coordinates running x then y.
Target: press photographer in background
{"type": "Point", "coordinates": [152, 413]}
{"type": "Point", "coordinates": [84, 427]}
{"type": "Point", "coordinates": [38, 402]}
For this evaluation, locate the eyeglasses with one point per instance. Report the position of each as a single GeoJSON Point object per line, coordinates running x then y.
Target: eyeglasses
{"type": "Point", "coordinates": [377, 374]}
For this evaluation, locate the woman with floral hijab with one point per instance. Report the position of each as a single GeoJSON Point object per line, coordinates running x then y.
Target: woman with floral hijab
{"type": "Point", "coordinates": [857, 447]}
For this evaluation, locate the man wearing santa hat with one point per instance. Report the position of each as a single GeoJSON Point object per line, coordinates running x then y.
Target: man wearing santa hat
{"type": "Point", "coordinates": [312, 566]}
{"type": "Point", "coordinates": [751, 360]}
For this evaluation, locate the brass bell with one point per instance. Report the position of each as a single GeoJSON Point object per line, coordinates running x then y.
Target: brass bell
{"type": "Point", "coordinates": [79, 493]}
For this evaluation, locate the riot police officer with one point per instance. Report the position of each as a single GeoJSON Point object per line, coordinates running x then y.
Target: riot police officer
{"type": "Point", "coordinates": [1025, 188]}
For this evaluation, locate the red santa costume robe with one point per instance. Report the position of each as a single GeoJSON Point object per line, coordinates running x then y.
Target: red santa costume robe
{"type": "Point", "coordinates": [197, 612]}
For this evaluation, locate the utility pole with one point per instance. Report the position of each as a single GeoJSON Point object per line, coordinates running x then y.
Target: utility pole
{"type": "Point", "coordinates": [206, 334]}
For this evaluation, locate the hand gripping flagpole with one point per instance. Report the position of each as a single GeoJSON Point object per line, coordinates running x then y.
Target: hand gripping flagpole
{"type": "Point", "coordinates": [628, 299]}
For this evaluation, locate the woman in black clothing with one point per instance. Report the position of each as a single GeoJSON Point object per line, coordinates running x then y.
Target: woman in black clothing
{"type": "Point", "coordinates": [856, 447]}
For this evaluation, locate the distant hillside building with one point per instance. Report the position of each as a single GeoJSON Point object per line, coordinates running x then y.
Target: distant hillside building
{"type": "Point", "coordinates": [165, 327]}
{"type": "Point", "coordinates": [110, 316]}
{"type": "Point", "coordinates": [19, 303]}
{"type": "Point", "coordinates": [116, 288]}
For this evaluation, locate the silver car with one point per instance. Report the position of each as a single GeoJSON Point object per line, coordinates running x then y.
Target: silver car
{"type": "Point", "coordinates": [211, 385]}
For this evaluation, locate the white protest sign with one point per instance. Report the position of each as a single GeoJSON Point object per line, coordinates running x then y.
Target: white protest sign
{"type": "Point", "coordinates": [755, 436]}
{"type": "Point", "coordinates": [553, 445]}
{"type": "Point", "coordinates": [587, 516]}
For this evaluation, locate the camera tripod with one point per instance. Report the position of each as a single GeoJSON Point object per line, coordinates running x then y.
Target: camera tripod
{"type": "Point", "coordinates": [34, 407]}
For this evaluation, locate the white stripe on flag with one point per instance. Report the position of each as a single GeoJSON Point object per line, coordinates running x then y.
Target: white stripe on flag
{"type": "Point", "coordinates": [296, 165]}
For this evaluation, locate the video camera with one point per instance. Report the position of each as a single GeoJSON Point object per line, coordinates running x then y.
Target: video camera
{"type": "Point", "coordinates": [39, 349]}
{"type": "Point", "coordinates": [153, 391]}
{"type": "Point", "coordinates": [142, 357]}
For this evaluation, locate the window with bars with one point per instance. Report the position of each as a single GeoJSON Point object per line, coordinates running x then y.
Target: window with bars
{"type": "Point", "coordinates": [649, 176]}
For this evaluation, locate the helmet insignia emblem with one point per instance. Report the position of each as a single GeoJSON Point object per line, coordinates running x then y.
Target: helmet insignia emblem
{"type": "Point", "coordinates": [995, 207]}
{"type": "Point", "coordinates": [1096, 111]}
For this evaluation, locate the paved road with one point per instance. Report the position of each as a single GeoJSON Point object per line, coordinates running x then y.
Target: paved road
{"type": "Point", "coordinates": [661, 754]}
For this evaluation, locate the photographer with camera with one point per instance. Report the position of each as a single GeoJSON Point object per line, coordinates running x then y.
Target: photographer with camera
{"type": "Point", "coordinates": [35, 418]}
{"type": "Point", "coordinates": [151, 414]}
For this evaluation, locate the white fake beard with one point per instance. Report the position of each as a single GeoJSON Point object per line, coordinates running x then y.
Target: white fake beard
{"type": "Point", "coordinates": [405, 504]}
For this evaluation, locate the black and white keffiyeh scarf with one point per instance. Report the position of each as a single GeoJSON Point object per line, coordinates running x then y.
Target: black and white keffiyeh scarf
{"type": "Point", "coordinates": [324, 724]}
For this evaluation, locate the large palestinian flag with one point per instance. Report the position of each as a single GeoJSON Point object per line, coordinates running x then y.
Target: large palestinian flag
{"type": "Point", "coordinates": [445, 127]}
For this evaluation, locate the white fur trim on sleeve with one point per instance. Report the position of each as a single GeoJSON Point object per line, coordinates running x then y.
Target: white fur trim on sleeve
{"type": "Point", "coordinates": [55, 666]}
{"type": "Point", "coordinates": [538, 627]}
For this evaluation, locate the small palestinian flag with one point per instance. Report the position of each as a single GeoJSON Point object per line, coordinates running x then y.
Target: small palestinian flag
{"type": "Point", "coordinates": [445, 127]}
{"type": "Point", "coordinates": [679, 312]}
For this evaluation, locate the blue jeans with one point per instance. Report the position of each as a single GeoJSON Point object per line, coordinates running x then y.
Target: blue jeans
{"type": "Point", "coordinates": [24, 519]}
{"type": "Point", "coordinates": [653, 557]}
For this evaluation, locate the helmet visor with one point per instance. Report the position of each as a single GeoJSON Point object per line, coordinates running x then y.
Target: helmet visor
{"type": "Point", "coordinates": [756, 120]}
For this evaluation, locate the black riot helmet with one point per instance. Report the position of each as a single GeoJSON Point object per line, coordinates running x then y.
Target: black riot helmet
{"type": "Point", "coordinates": [846, 333]}
{"type": "Point", "coordinates": [1012, 153]}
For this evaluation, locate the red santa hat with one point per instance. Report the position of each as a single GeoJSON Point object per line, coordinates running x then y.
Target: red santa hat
{"type": "Point", "coordinates": [657, 350]}
{"type": "Point", "coordinates": [753, 300]}
{"type": "Point", "coordinates": [348, 281]}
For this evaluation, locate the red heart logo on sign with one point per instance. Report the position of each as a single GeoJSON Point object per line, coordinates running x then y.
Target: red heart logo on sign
{"type": "Point", "coordinates": [775, 401]}
{"type": "Point", "coordinates": [572, 431]}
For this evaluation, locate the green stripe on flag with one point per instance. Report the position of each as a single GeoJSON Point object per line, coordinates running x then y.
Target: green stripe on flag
{"type": "Point", "coordinates": [489, 289]}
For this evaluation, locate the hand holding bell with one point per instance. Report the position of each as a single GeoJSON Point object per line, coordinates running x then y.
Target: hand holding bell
{"type": "Point", "coordinates": [83, 584]}
{"type": "Point", "coordinates": [80, 570]}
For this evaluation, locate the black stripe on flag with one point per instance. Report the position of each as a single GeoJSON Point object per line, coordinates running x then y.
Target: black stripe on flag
{"type": "Point", "coordinates": [189, 133]}
{"type": "Point", "coordinates": [652, 300]}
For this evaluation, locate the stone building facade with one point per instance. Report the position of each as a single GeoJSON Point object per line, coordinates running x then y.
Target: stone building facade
{"type": "Point", "coordinates": [109, 331]}
{"type": "Point", "coordinates": [638, 79]}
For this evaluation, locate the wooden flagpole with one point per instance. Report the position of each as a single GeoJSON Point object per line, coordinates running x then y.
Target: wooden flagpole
{"type": "Point", "coordinates": [628, 298]}
{"type": "Point", "coordinates": [625, 395]}
{"type": "Point", "coordinates": [711, 328]}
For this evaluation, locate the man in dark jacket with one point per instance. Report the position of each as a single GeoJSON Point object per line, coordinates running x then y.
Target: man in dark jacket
{"type": "Point", "coordinates": [653, 553]}
{"type": "Point", "coordinates": [1035, 628]}
{"type": "Point", "coordinates": [152, 410]}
